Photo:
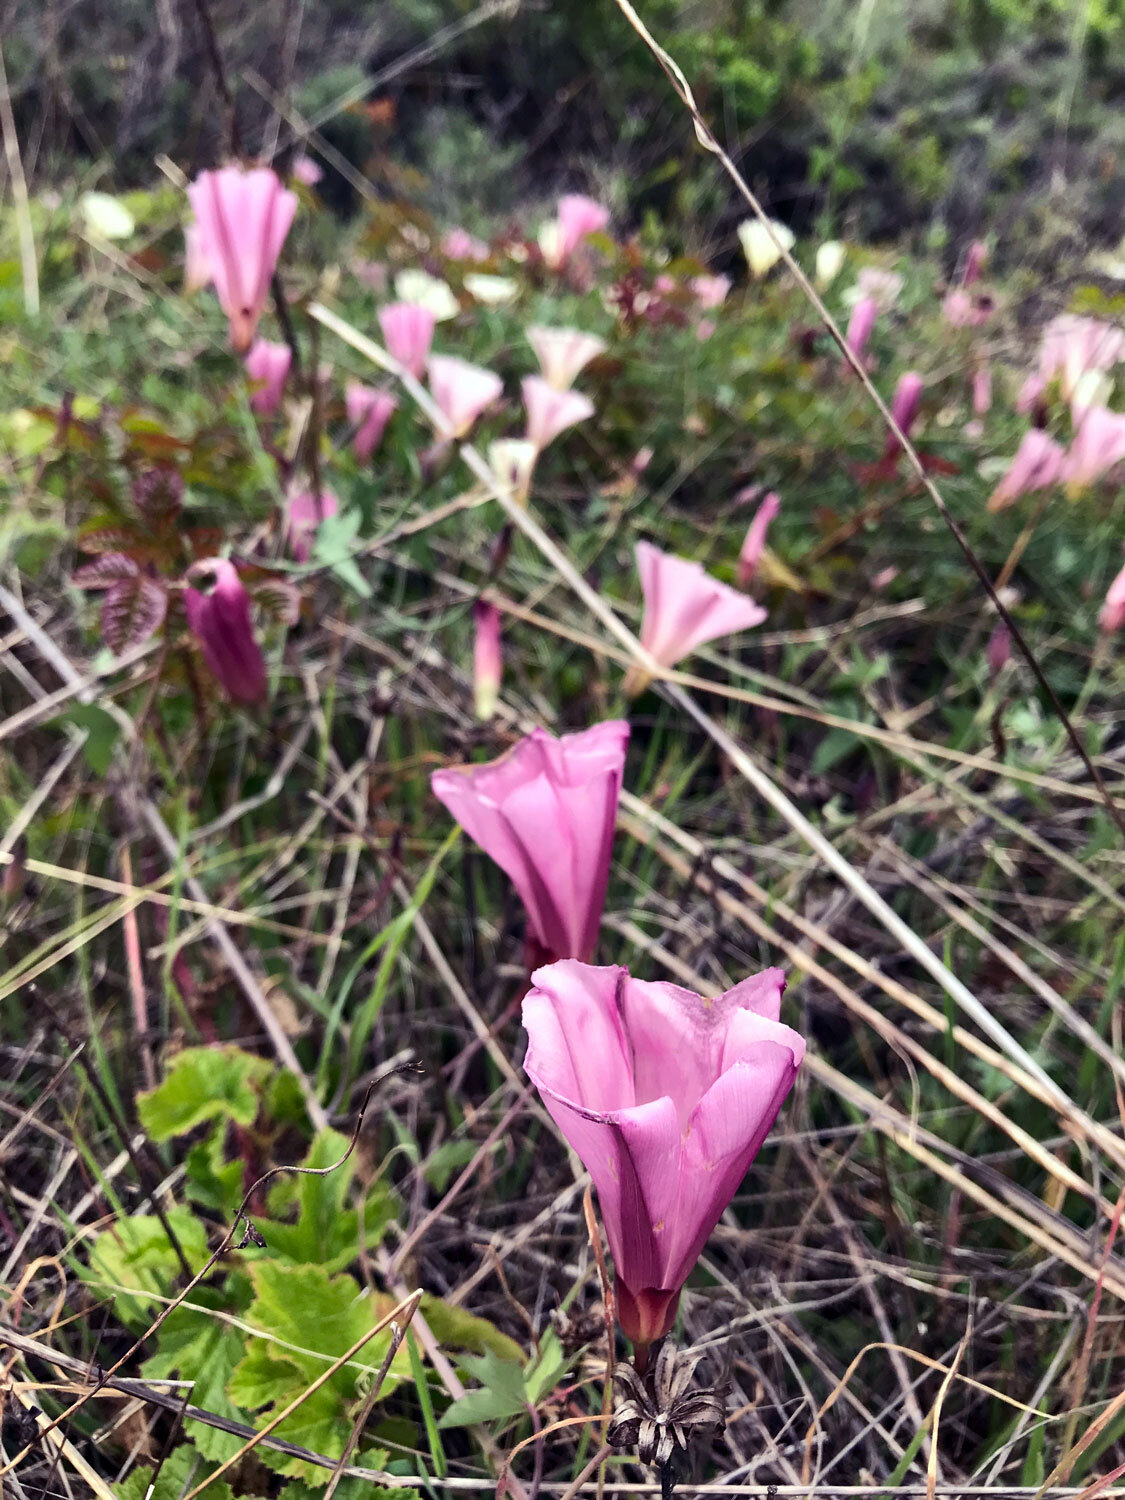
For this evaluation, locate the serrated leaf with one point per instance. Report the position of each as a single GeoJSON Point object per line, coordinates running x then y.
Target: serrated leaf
{"type": "Point", "coordinates": [158, 494]}
{"type": "Point", "coordinates": [349, 1488]}
{"type": "Point", "coordinates": [131, 611]}
{"type": "Point", "coordinates": [279, 600]}
{"type": "Point", "coordinates": [313, 1318]}
{"type": "Point", "coordinates": [325, 1231]}
{"type": "Point", "coordinates": [110, 539]}
{"type": "Point", "coordinates": [104, 570]}
{"type": "Point", "coordinates": [210, 1180]}
{"type": "Point", "coordinates": [454, 1328]}
{"type": "Point", "coordinates": [546, 1369]}
{"type": "Point", "coordinates": [136, 1254]}
{"type": "Point", "coordinates": [179, 1472]}
{"type": "Point", "coordinates": [502, 1393]}
{"type": "Point", "coordinates": [204, 1083]}
{"type": "Point", "coordinates": [195, 1345]}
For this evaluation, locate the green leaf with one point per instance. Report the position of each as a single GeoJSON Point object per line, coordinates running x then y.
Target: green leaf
{"type": "Point", "coordinates": [454, 1328]}
{"type": "Point", "coordinates": [202, 1084]}
{"type": "Point", "coordinates": [312, 1318]}
{"type": "Point", "coordinates": [196, 1345]}
{"type": "Point", "coordinates": [180, 1472]}
{"type": "Point", "coordinates": [211, 1180]}
{"type": "Point", "coordinates": [101, 729]}
{"type": "Point", "coordinates": [832, 749]}
{"type": "Point", "coordinates": [326, 1232]}
{"type": "Point", "coordinates": [136, 1254]}
{"type": "Point", "coordinates": [502, 1394]}
{"type": "Point", "coordinates": [546, 1369]}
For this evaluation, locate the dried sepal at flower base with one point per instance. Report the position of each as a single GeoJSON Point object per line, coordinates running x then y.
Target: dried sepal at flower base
{"type": "Point", "coordinates": [658, 1414]}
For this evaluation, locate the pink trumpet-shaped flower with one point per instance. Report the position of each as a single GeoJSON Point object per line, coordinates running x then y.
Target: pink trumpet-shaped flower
{"type": "Point", "coordinates": [242, 218]}
{"type": "Point", "coordinates": [884, 286]}
{"type": "Point", "coordinates": [710, 291]}
{"type": "Point", "coordinates": [459, 244]}
{"type": "Point", "coordinates": [218, 615]}
{"type": "Point", "coordinates": [563, 353]}
{"type": "Point", "coordinates": [1031, 392]}
{"type": "Point", "coordinates": [306, 171]}
{"type": "Point", "coordinates": [545, 812]}
{"type": "Point", "coordinates": [461, 390]}
{"type": "Point", "coordinates": [197, 268]}
{"type": "Point", "coordinates": [1097, 445]}
{"type": "Point", "coordinates": [1112, 615]}
{"type": "Point", "coordinates": [1037, 465]}
{"type": "Point", "coordinates": [303, 516]}
{"type": "Point", "coordinates": [861, 325]}
{"type": "Point", "coordinates": [578, 217]}
{"type": "Point", "coordinates": [369, 411]}
{"type": "Point", "coordinates": [1073, 346]}
{"type": "Point", "coordinates": [751, 553]}
{"type": "Point", "coordinates": [488, 663]}
{"type": "Point", "coordinates": [268, 364]}
{"type": "Point", "coordinates": [551, 411]}
{"type": "Point", "coordinates": [408, 332]}
{"type": "Point", "coordinates": [905, 406]}
{"type": "Point", "coordinates": [982, 390]}
{"type": "Point", "coordinates": [964, 309]}
{"type": "Point", "coordinates": [667, 1098]}
{"type": "Point", "coordinates": [684, 608]}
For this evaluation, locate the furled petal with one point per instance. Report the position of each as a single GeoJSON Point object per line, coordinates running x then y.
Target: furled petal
{"type": "Point", "coordinates": [762, 245]}
{"type": "Point", "coordinates": [755, 541]}
{"type": "Point", "coordinates": [550, 411]}
{"type": "Point", "coordinates": [512, 460]}
{"type": "Point", "coordinates": [488, 662]}
{"type": "Point", "coordinates": [563, 353]}
{"type": "Point", "coordinates": [861, 324]}
{"type": "Point", "coordinates": [369, 411]}
{"type": "Point", "coordinates": [1112, 615]}
{"type": "Point", "coordinates": [1038, 463]}
{"type": "Point", "coordinates": [268, 365]}
{"type": "Point", "coordinates": [218, 615]}
{"type": "Point", "coordinates": [905, 406]}
{"type": "Point", "coordinates": [830, 258]}
{"type": "Point", "coordinates": [685, 606]}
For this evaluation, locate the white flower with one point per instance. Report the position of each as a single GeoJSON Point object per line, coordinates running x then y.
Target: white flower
{"type": "Point", "coordinates": [106, 218]}
{"type": "Point", "coordinates": [830, 259]}
{"type": "Point", "coordinates": [493, 291]}
{"type": "Point", "coordinates": [427, 291]}
{"type": "Point", "coordinates": [762, 246]}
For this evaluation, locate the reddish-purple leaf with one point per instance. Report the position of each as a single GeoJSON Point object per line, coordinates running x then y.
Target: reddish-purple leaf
{"type": "Point", "coordinates": [158, 495]}
{"type": "Point", "coordinates": [111, 567]}
{"type": "Point", "coordinates": [109, 539]}
{"type": "Point", "coordinates": [132, 610]}
{"type": "Point", "coordinates": [205, 541]}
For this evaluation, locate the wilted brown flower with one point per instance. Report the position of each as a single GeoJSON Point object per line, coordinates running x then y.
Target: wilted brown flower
{"type": "Point", "coordinates": [659, 1415]}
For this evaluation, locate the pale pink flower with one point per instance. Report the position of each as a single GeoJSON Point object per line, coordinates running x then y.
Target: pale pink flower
{"type": "Point", "coordinates": [1112, 615]}
{"type": "Point", "coordinates": [751, 553]}
{"type": "Point", "coordinates": [550, 411]}
{"type": "Point", "coordinates": [197, 268]}
{"type": "Point", "coordinates": [905, 406]}
{"type": "Point", "coordinates": [1096, 447]}
{"type": "Point", "coordinates": [1073, 345]}
{"type": "Point", "coordinates": [242, 218]}
{"type": "Point", "coordinates": [666, 1097]}
{"type": "Point", "coordinates": [962, 309]}
{"type": "Point", "coordinates": [563, 353]}
{"type": "Point", "coordinates": [546, 813]}
{"type": "Point", "coordinates": [1031, 392]}
{"type": "Point", "coordinates": [218, 615]}
{"type": "Point", "coordinates": [459, 244]}
{"type": "Point", "coordinates": [884, 578]}
{"type": "Point", "coordinates": [408, 332]}
{"type": "Point", "coordinates": [710, 291]}
{"type": "Point", "coordinates": [982, 390]}
{"type": "Point", "coordinates": [685, 607]}
{"type": "Point", "coordinates": [268, 365]}
{"type": "Point", "coordinates": [1037, 465]}
{"type": "Point", "coordinates": [461, 390]}
{"type": "Point", "coordinates": [884, 286]}
{"type": "Point", "coordinates": [664, 285]}
{"type": "Point", "coordinates": [369, 411]}
{"type": "Point", "coordinates": [303, 516]}
{"type": "Point", "coordinates": [704, 329]}
{"type": "Point", "coordinates": [577, 217]}
{"type": "Point", "coordinates": [306, 171]}
{"type": "Point", "coordinates": [861, 325]}
{"type": "Point", "coordinates": [488, 664]}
